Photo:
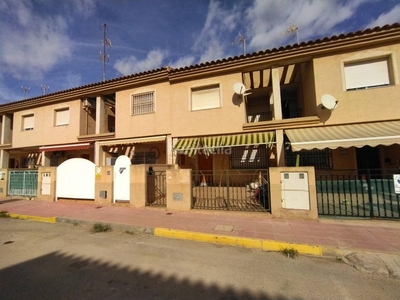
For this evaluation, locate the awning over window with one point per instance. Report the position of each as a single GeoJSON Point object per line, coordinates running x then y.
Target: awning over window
{"type": "Point", "coordinates": [247, 139]}
{"type": "Point", "coordinates": [354, 135]}
{"type": "Point", "coordinates": [67, 147]}
{"type": "Point", "coordinates": [190, 145]}
{"type": "Point", "coordinates": [158, 138]}
{"type": "Point", "coordinates": [187, 146]}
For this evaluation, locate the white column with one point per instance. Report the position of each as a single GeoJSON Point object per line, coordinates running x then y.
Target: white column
{"type": "Point", "coordinates": [170, 155]}
{"type": "Point", "coordinates": [276, 94]}
{"type": "Point", "coordinates": [100, 115]}
{"type": "Point", "coordinates": [280, 148]}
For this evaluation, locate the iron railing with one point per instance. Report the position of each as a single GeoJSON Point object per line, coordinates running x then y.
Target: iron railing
{"type": "Point", "coordinates": [357, 193]}
{"type": "Point", "coordinates": [156, 189]}
{"type": "Point", "coordinates": [238, 190]}
{"type": "Point", "coordinates": [23, 183]}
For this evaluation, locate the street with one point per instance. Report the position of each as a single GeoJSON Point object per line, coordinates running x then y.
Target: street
{"type": "Point", "coordinates": [66, 261]}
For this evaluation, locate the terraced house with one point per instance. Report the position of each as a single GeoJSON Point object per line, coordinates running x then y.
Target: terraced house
{"type": "Point", "coordinates": [310, 126]}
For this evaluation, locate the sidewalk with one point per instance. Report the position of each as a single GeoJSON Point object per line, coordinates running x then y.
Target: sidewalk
{"type": "Point", "coordinates": [330, 234]}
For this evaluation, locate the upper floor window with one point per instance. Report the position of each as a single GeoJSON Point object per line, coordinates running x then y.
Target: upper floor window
{"type": "Point", "coordinates": [206, 97]}
{"type": "Point", "coordinates": [143, 103]}
{"type": "Point", "coordinates": [28, 122]}
{"type": "Point", "coordinates": [367, 74]}
{"type": "Point", "coordinates": [61, 116]}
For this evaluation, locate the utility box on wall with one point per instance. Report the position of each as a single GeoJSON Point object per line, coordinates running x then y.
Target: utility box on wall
{"type": "Point", "coordinates": [295, 193]}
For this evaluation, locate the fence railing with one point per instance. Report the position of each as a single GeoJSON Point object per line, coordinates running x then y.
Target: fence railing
{"type": "Point", "coordinates": [358, 193]}
{"type": "Point", "coordinates": [240, 190]}
{"type": "Point", "coordinates": [23, 183]}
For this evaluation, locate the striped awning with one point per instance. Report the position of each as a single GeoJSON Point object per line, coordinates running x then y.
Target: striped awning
{"type": "Point", "coordinates": [353, 135]}
{"type": "Point", "coordinates": [67, 147]}
{"type": "Point", "coordinates": [187, 146]}
{"type": "Point", "coordinates": [158, 138]}
{"type": "Point", "coordinates": [247, 139]}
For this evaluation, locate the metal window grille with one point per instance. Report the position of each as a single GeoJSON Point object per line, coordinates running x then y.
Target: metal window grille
{"type": "Point", "coordinates": [145, 158]}
{"type": "Point", "coordinates": [143, 103]}
{"type": "Point", "coordinates": [249, 157]}
{"type": "Point", "coordinates": [320, 159]}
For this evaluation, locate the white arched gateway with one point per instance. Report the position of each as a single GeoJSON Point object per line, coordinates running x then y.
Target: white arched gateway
{"type": "Point", "coordinates": [76, 179]}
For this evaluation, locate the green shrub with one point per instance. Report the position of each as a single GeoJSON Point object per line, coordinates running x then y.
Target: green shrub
{"type": "Point", "coordinates": [99, 227]}
{"type": "Point", "coordinates": [4, 214]}
{"type": "Point", "coordinates": [290, 252]}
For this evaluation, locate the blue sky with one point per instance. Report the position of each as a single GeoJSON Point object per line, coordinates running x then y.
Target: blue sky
{"type": "Point", "coordinates": [57, 44]}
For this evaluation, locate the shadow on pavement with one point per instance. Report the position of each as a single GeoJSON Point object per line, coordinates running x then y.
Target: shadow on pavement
{"type": "Point", "coordinates": [62, 276]}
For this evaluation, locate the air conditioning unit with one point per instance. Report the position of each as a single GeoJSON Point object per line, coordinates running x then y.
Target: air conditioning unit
{"type": "Point", "coordinates": [86, 103]}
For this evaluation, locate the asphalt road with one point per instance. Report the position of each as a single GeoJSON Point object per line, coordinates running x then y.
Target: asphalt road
{"type": "Point", "coordinates": [63, 261]}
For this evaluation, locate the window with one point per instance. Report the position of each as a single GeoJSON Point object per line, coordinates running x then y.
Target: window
{"type": "Point", "coordinates": [28, 122]}
{"type": "Point", "coordinates": [367, 74]}
{"type": "Point", "coordinates": [142, 157]}
{"type": "Point", "coordinates": [206, 97]}
{"type": "Point", "coordinates": [61, 116]}
{"type": "Point", "coordinates": [249, 157]}
{"type": "Point", "coordinates": [320, 159]}
{"type": "Point", "coordinates": [143, 103]}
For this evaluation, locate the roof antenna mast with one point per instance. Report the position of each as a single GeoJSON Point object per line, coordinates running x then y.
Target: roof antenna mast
{"type": "Point", "coordinates": [293, 29]}
{"type": "Point", "coordinates": [241, 40]}
{"type": "Point", "coordinates": [104, 57]}
{"type": "Point", "coordinates": [25, 90]}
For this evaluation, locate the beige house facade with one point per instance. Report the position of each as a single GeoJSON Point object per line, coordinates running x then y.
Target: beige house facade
{"type": "Point", "coordinates": [331, 104]}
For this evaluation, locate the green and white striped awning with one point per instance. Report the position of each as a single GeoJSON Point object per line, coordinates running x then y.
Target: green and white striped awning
{"type": "Point", "coordinates": [247, 139]}
{"type": "Point", "coordinates": [351, 135]}
{"type": "Point", "coordinates": [189, 146]}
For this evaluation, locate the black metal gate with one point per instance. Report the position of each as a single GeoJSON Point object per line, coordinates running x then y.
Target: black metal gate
{"type": "Point", "coordinates": [156, 189]}
{"type": "Point", "coordinates": [358, 193]}
{"type": "Point", "coordinates": [238, 190]}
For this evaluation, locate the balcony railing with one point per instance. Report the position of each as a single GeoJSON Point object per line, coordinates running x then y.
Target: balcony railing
{"type": "Point", "coordinates": [259, 117]}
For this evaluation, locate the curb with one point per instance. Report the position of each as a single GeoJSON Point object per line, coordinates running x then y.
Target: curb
{"type": "Point", "coordinates": [251, 243]}
{"type": "Point", "coordinates": [33, 218]}
{"type": "Point", "coordinates": [265, 245]}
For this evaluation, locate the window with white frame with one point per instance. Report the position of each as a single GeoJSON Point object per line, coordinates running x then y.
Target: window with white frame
{"type": "Point", "coordinates": [206, 97]}
{"type": "Point", "coordinates": [367, 74]}
{"type": "Point", "coordinates": [28, 122]}
{"type": "Point", "coordinates": [143, 103]}
{"type": "Point", "coordinates": [61, 116]}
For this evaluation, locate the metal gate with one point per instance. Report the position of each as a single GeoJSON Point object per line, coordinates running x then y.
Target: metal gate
{"type": "Point", "coordinates": [238, 190]}
{"type": "Point", "coordinates": [23, 183]}
{"type": "Point", "coordinates": [358, 193]}
{"type": "Point", "coordinates": [156, 188]}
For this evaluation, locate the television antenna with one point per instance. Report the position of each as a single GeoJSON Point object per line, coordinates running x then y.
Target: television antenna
{"type": "Point", "coordinates": [293, 29]}
{"type": "Point", "coordinates": [44, 88]}
{"type": "Point", "coordinates": [25, 90]}
{"type": "Point", "coordinates": [241, 40]}
{"type": "Point", "coordinates": [104, 57]}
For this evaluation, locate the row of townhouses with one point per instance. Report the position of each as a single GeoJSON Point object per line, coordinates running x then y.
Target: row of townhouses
{"type": "Point", "coordinates": [331, 104]}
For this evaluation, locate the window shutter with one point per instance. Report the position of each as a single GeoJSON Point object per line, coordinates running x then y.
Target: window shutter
{"type": "Point", "coordinates": [29, 122]}
{"type": "Point", "coordinates": [205, 98]}
{"type": "Point", "coordinates": [367, 74]}
{"type": "Point", "coordinates": [62, 117]}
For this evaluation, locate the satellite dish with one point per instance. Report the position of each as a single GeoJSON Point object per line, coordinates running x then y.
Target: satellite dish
{"type": "Point", "coordinates": [240, 89]}
{"type": "Point", "coordinates": [329, 102]}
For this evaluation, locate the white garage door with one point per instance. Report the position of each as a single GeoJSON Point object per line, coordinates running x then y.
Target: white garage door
{"type": "Point", "coordinates": [76, 179]}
